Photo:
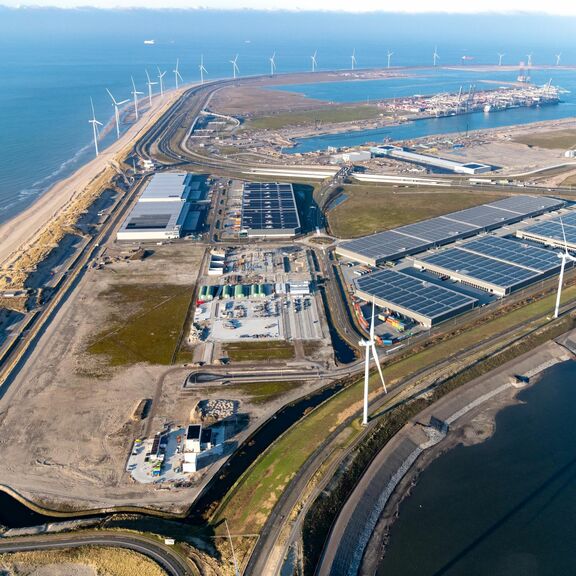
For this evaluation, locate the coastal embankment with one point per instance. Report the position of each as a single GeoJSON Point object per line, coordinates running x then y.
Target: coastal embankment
{"type": "Point", "coordinates": [464, 416]}
{"type": "Point", "coordinates": [22, 231]}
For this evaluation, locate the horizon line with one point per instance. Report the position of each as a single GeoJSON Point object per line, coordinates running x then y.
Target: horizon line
{"type": "Point", "coordinates": [295, 10]}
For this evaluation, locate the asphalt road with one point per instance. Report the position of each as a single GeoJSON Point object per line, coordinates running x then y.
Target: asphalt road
{"type": "Point", "coordinates": [168, 559]}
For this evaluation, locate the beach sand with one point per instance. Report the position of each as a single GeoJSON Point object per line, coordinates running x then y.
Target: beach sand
{"type": "Point", "coordinates": [21, 231]}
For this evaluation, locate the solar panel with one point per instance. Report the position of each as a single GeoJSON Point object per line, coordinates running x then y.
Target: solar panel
{"type": "Point", "coordinates": [387, 245]}
{"type": "Point", "coordinates": [552, 230]}
{"type": "Point", "coordinates": [528, 204]}
{"type": "Point", "coordinates": [474, 266]}
{"type": "Point", "coordinates": [400, 290]}
{"type": "Point", "coordinates": [513, 252]}
{"type": "Point", "coordinates": [436, 229]}
{"type": "Point", "coordinates": [269, 206]}
{"type": "Point", "coordinates": [443, 229]}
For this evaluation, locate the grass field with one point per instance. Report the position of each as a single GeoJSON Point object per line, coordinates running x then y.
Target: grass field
{"type": "Point", "coordinates": [570, 181]}
{"type": "Point", "coordinates": [259, 351]}
{"type": "Point", "coordinates": [95, 561]}
{"type": "Point", "coordinates": [330, 115]}
{"type": "Point", "coordinates": [553, 140]}
{"type": "Point", "coordinates": [249, 503]}
{"type": "Point", "coordinates": [263, 392]}
{"type": "Point", "coordinates": [370, 208]}
{"type": "Point", "coordinates": [150, 328]}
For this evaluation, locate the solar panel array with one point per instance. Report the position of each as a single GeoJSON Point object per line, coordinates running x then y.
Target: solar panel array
{"type": "Point", "coordinates": [396, 289]}
{"type": "Point", "coordinates": [523, 255]}
{"type": "Point", "coordinates": [552, 230]}
{"type": "Point", "coordinates": [269, 206]}
{"type": "Point", "coordinates": [477, 267]}
{"type": "Point", "coordinates": [386, 246]}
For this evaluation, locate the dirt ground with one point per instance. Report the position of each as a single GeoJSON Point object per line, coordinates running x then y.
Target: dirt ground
{"type": "Point", "coordinates": [67, 421]}
{"type": "Point", "coordinates": [246, 100]}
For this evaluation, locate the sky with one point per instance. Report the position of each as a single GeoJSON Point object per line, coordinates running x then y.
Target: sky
{"type": "Point", "coordinates": [556, 7]}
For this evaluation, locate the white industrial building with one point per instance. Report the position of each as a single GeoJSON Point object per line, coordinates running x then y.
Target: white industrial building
{"type": "Point", "coordinates": [161, 210]}
{"type": "Point", "coordinates": [199, 446]}
{"type": "Point", "coordinates": [400, 153]}
{"type": "Point", "coordinates": [346, 157]}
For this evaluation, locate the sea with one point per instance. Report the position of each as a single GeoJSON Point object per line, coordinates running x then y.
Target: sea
{"type": "Point", "coordinates": [53, 61]}
{"type": "Point", "coordinates": [505, 507]}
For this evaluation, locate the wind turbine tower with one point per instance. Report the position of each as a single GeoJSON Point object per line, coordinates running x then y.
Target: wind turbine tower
{"type": "Point", "coordinates": [235, 69]}
{"type": "Point", "coordinates": [558, 56]}
{"type": "Point", "coordinates": [529, 63]}
{"type": "Point", "coordinates": [272, 64]}
{"type": "Point", "coordinates": [149, 83]}
{"type": "Point", "coordinates": [95, 125]}
{"type": "Point", "coordinates": [202, 69]}
{"type": "Point", "coordinates": [389, 55]}
{"type": "Point", "coordinates": [370, 346]}
{"type": "Point", "coordinates": [177, 76]}
{"type": "Point", "coordinates": [435, 56]}
{"type": "Point", "coordinates": [353, 58]}
{"type": "Point", "coordinates": [135, 94]}
{"type": "Point", "coordinates": [500, 56]}
{"type": "Point", "coordinates": [565, 257]}
{"type": "Point", "coordinates": [116, 111]}
{"type": "Point", "coordinates": [236, 571]}
{"type": "Point", "coordinates": [161, 81]}
{"type": "Point", "coordinates": [314, 61]}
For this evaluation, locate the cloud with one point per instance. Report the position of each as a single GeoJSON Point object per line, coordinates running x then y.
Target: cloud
{"type": "Point", "coordinates": [558, 7]}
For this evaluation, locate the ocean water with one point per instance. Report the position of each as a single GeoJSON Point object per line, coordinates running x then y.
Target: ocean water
{"type": "Point", "coordinates": [505, 507]}
{"type": "Point", "coordinates": [53, 61]}
{"type": "Point", "coordinates": [430, 82]}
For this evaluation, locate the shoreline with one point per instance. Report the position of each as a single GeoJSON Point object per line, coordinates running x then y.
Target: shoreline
{"type": "Point", "coordinates": [20, 231]}
{"type": "Point", "coordinates": [372, 506]}
{"type": "Point", "coordinates": [473, 424]}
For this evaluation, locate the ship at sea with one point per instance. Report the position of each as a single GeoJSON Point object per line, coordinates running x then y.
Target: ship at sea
{"type": "Point", "coordinates": [150, 42]}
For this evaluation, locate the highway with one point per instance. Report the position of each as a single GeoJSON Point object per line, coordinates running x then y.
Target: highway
{"type": "Point", "coordinates": [170, 560]}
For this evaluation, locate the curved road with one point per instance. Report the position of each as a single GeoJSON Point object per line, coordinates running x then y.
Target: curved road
{"type": "Point", "coordinates": [167, 558]}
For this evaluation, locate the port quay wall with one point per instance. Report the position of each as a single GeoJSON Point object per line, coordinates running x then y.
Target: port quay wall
{"type": "Point", "coordinates": [355, 526]}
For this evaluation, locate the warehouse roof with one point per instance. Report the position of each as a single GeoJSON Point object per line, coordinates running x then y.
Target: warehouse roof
{"type": "Point", "coordinates": [424, 298]}
{"type": "Point", "coordinates": [269, 206]}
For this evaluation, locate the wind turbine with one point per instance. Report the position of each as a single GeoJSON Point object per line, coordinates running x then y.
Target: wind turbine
{"type": "Point", "coordinates": [95, 125]}
{"type": "Point", "coordinates": [370, 346]}
{"type": "Point", "coordinates": [116, 111]}
{"type": "Point", "coordinates": [558, 56]}
{"type": "Point", "coordinates": [272, 64]}
{"type": "Point", "coordinates": [353, 58]}
{"type": "Point", "coordinates": [202, 69]}
{"type": "Point", "coordinates": [135, 94]}
{"type": "Point", "coordinates": [390, 54]}
{"type": "Point", "coordinates": [161, 80]}
{"type": "Point", "coordinates": [500, 56]}
{"type": "Point", "coordinates": [435, 56]}
{"type": "Point", "coordinates": [314, 61]}
{"type": "Point", "coordinates": [236, 571]}
{"type": "Point", "coordinates": [235, 69]}
{"type": "Point", "coordinates": [529, 60]}
{"type": "Point", "coordinates": [149, 83]}
{"type": "Point", "coordinates": [177, 75]}
{"type": "Point", "coordinates": [565, 257]}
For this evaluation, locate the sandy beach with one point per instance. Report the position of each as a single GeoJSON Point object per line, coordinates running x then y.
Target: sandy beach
{"type": "Point", "coordinates": [22, 230]}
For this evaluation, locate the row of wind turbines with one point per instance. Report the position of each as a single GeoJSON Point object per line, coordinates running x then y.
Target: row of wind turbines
{"type": "Point", "coordinates": [370, 344]}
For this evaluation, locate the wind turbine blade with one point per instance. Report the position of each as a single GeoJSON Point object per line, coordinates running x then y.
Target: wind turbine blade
{"type": "Point", "coordinates": [98, 123]}
{"type": "Point", "coordinates": [372, 323]}
{"type": "Point", "coordinates": [564, 235]}
{"type": "Point", "coordinates": [110, 94]}
{"type": "Point", "coordinates": [92, 105]}
{"type": "Point", "coordinates": [377, 361]}
{"type": "Point", "coordinates": [122, 102]}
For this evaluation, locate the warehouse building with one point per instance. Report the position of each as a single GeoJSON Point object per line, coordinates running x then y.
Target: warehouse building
{"type": "Point", "coordinates": [424, 302]}
{"type": "Point", "coordinates": [497, 265]}
{"type": "Point", "coordinates": [398, 243]}
{"type": "Point", "coordinates": [154, 221]}
{"type": "Point", "coordinates": [269, 210]}
{"type": "Point", "coordinates": [550, 232]}
{"type": "Point", "coordinates": [400, 153]}
{"type": "Point", "coordinates": [162, 210]}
